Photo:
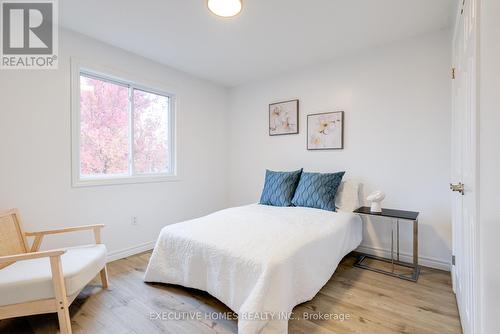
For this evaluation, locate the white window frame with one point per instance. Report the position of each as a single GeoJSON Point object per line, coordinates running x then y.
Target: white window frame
{"type": "Point", "coordinates": [113, 76]}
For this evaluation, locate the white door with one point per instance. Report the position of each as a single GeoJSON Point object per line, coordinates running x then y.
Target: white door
{"type": "Point", "coordinates": [464, 164]}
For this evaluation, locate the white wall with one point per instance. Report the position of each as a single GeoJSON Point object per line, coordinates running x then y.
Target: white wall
{"type": "Point", "coordinates": [489, 165]}
{"type": "Point", "coordinates": [35, 151]}
{"type": "Point", "coordinates": [396, 100]}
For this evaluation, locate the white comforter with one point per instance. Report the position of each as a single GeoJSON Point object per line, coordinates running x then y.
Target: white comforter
{"type": "Point", "coordinates": [259, 260]}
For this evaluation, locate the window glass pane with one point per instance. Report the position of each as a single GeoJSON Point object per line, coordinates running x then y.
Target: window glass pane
{"type": "Point", "coordinates": [104, 124]}
{"type": "Point", "coordinates": [150, 133]}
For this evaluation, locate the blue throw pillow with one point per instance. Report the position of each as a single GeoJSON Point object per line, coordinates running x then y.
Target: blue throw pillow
{"type": "Point", "coordinates": [316, 190]}
{"type": "Point", "coordinates": [279, 188]}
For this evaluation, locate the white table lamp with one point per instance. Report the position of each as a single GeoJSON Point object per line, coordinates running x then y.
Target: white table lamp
{"type": "Point", "coordinates": [376, 198]}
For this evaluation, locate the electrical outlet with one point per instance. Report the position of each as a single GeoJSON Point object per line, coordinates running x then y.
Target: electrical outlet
{"type": "Point", "coordinates": [135, 221]}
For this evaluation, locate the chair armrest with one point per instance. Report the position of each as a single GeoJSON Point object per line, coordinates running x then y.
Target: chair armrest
{"type": "Point", "coordinates": [40, 234]}
{"type": "Point", "coordinates": [30, 256]}
{"type": "Point", "coordinates": [64, 230]}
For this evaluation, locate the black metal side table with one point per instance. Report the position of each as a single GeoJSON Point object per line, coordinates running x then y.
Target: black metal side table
{"type": "Point", "coordinates": [398, 215]}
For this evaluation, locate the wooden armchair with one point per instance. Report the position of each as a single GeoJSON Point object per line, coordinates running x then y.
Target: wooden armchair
{"type": "Point", "coordinates": [34, 282]}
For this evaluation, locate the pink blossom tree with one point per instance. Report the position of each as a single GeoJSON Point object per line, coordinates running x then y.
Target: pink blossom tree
{"type": "Point", "coordinates": [150, 132]}
{"type": "Point", "coordinates": [105, 133]}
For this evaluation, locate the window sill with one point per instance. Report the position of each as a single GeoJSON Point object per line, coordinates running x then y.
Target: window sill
{"type": "Point", "coordinates": [78, 183]}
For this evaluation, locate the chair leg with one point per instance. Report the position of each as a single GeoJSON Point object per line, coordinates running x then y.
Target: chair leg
{"type": "Point", "coordinates": [104, 277]}
{"type": "Point", "coordinates": [64, 320]}
{"type": "Point", "coordinates": [62, 304]}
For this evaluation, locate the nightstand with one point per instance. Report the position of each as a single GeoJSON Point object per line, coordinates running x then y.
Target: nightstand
{"type": "Point", "coordinates": [397, 216]}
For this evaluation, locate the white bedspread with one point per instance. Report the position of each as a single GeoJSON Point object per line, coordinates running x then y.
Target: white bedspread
{"type": "Point", "coordinates": [259, 260]}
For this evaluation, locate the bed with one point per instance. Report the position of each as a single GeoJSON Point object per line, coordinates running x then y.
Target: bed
{"type": "Point", "coordinates": [259, 260]}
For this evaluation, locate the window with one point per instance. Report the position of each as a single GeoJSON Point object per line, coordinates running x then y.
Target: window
{"type": "Point", "coordinates": [124, 132]}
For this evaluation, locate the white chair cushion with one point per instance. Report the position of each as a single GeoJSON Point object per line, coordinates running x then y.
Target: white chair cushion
{"type": "Point", "coordinates": [31, 280]}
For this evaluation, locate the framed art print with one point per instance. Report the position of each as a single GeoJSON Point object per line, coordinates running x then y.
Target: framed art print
{"type": "Point", "coordinates": [325, 131]}
{"type": "Point", "coordinates": [284, 118]}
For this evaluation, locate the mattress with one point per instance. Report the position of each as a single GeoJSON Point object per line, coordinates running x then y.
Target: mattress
{"type": "Point", "coordinates": [259, 260]}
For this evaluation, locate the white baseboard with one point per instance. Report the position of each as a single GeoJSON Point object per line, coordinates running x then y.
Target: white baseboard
{"type": "Point", "coordinates": [120, 254]}
{"type": "Point", "coordinates": [424, 261]}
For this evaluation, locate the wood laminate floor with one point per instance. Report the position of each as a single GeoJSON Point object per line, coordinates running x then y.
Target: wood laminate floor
{"type": "Point", "coordinates": [354, 300]}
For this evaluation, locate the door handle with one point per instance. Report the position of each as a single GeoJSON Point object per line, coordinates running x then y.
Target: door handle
{"type": "Point", "coordinates": [460, 187]}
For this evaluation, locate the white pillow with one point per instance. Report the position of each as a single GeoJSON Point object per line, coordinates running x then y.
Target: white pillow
{"type": "Point", "coordinates": [347, 198]}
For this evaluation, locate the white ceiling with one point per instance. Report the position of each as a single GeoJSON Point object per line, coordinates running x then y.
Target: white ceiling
{"type": "Point", "coordinates": [268, 37]}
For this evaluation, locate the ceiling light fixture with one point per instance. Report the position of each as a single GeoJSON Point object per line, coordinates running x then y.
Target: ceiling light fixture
{"type": "Point", "coordinates": [225, 8]}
